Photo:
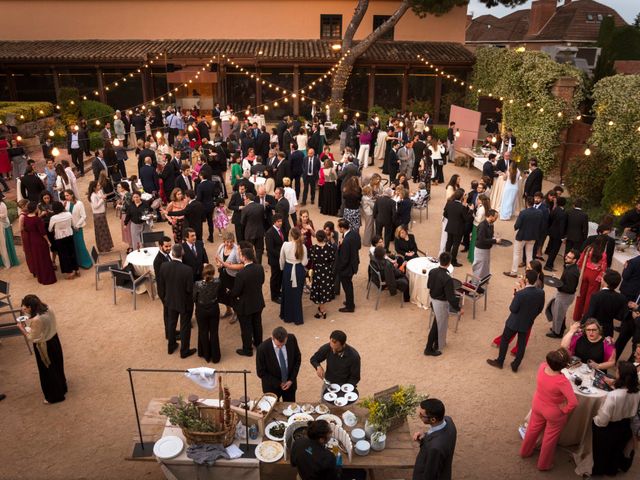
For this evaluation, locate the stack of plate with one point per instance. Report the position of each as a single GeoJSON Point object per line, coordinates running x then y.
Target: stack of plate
{"type": "Point", "coordinates": [362, 448]}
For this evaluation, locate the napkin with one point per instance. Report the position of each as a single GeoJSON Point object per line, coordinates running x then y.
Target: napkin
{"type": "Point", "coordinates": [203, 376]}
{"type": "Point", "coordinates": [233, 451]}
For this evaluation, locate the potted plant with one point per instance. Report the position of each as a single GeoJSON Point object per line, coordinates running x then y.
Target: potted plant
{"type": "Point", "coordinates": [389, 409]}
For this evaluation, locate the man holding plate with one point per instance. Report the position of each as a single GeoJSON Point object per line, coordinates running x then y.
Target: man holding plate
{"type": "Point", "coordinates": [278, 362]}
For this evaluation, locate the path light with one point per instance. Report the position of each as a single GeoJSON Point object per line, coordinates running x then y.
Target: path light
{"type": "Point", "coordinates": [534, 145]}
{"type": "Point", "coordinates": [41, 112]}
{"type": "Point", "coordinates": [55, 152]}
{"type": "Point", "coordinates": [578, 117]}
{"type": "Point", "coordinates": [21, 117]}
{"type": "Point", "coordinates": [457, 132]}
{"type": "Point", "coordinates": [587, 151]}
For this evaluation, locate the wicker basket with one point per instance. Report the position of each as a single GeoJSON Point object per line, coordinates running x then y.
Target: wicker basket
{"type": "Point", "coordinates": [211, 414]}
{"type": "Point", "coordinates": [395, 422]}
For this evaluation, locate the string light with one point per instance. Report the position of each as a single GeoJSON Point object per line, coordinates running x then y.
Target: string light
{"type": "Point", "coordinates": [158, 134]}
{"type": "Point", "coordinates": [55, 152]}
{"type": "Point", "coordinates": [534, 145]}
{"type": "Point", "coordinates": [116, 142]}
{"type": "Point", "coordinates": [610, 123]}
{"type": "Point", "coordinates": [587, 151]}
{"type": "Point", "coordinates": [52, 133]}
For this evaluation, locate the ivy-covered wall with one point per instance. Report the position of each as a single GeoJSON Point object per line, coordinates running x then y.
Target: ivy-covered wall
{"type": "Point", "coordinates": [524, 81]}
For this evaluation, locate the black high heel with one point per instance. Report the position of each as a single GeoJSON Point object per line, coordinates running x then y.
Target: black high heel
{"type": "Point", "coordinates": [320, 314]}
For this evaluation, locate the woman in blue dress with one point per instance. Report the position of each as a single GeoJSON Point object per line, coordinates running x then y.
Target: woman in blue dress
{"type": "Point", "coordinates": [293, 258]}
{"type": "Point", "coordinates": [76, 208]}
{"type": "Point", "coordinates": [510, 193]}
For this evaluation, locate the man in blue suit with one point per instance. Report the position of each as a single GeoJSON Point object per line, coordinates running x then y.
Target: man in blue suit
{"type": "Point", "coordinates": [528, 226]}
{"type": "Point", "coordinates": [526, 305]}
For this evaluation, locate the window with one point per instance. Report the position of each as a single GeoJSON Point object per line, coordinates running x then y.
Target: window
{"type": "Point", "coordinates": [379, 20]}
{"type": "Point", "coordinates": [589, 17]}
{"type": "Point", "coordinates": [600, 17]}
{"type": "Point", "coordinates": [331, 27]}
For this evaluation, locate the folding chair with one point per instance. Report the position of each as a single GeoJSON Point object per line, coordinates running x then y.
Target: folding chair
{"type": "Point", "coordinates": [126, 281]}
{"type": "Point", "coordinates": [9, 329]}
{"type": "Point", "coordinates": [423, 205]}
{"type": "Point", "coordinates": [457, 314]}
{"type": "Point", "coordinates": [151, 239]}
{"type": "Point", "coordinates": [375, 278]}
{"type": "Point", "coordinates": [103, 267]}
{"type": "Point", "coordinates": [475, 288]}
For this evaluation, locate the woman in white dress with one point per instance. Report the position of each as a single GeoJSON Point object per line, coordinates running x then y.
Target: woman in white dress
{"type": "Point", "coordinates": [509, 193]}
{"type": "Point", "coordinates": [378, 153]}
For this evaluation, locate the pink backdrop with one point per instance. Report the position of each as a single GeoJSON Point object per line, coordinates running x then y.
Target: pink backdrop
{"type": "Point", "coordinates": [468, 121]}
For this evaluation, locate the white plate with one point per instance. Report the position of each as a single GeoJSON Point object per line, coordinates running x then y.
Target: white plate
{"type": "Point", "coordinates": [330, 396]}
{"type": "Point", "coordinates": [271, 436]}
{"type": "Point", "coordinates": [586, 390]}
{"type": "Point", "coordinates": [351, 396]}
{"type": "Point", "coordinates": [350, 418]}
{"type": "Point", "coordinates": [308, 408]}
{"type": "Point", "coordinates": [168, 447]}
{"type": "Point", "coordinates": [347, 387]}
{"type": "Point", "coordinates": [331, 418]}
{"type": "Point", "coordinates": [299, 417]}
{"type": "Point", "coordinates": [334, 387]}
{"type": "Point", "coordinates": [266, 404]}
{"type": "Point", "coordinates": [269, 451]}
{"type": "Point", "coordinates": [340, 402]}
{"type": "Point", "coordinates": [322, 409]}
{"type": "Point", "coordinates": [288, 412]}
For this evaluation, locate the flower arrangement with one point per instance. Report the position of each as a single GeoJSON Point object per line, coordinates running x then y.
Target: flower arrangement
{"type": "Point", "coordinates": [386, 409]}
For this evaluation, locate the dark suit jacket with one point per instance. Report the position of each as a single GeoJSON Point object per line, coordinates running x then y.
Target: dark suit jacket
{"type": "Point", "coordinates": [488, 170]}
{"type": "Point", "coordinates": [206, 194]}
{"type": "Point", "coordinates": [149, 179]}
{"type": "Point", "coordinates": [606, 305]}
{"type": "Point", "coordinates": [274, 244]}
{"type": "Point", "coordinates": [196, 262]}
{"type": "Point", "coordinates": [268, 367]}
{"type": "Point", "coordinates": [83, 139]}
{"type": "Point", "coordinates": [630, 286]}
{"type": "Point", "coordinates": [160, 259]}
{"type": "Point", "coordinates": [557, 223]}
{"type": "Point", "coordinates": [315, 168]}
{"type": "Point", "coordinates": [501, 165]}
{"type": "Point", "coordinates": [528, 224]}
{"type": "Point", "coordinates": [348, 171]}
{"type": "Point", "coordinates": [262, 145]}
{"type": "Point", "coordinates": [236, 204]}
{"type": "Point", "coordinates": [390, 275]}
{"type": "Point", "coordinates": [282, 207]}
{"type": "Point", "coordinates": [247, 289]}
{"type": "Point", "coordinates": [175, 286]}
{"type": "Point", "coordinates": [97, 167]}
{"type": "Point", "coordinates": [435, 458]}
{"type": "Point", "coordinates": [525, 307]}
{"type": "Point", "coordinates": [252, 220]}
{"type": "Point", "coordinates": [384, 210]}
{"type": "Point", "coordinates": [169, 174]}
{"type": "Point", "coordinates": [147, 152]}
{"type": "Point", "coordinates": [456, 215]}
{"type": "Point", "coordinates": [577, 226]}
{"type": "Point", "coordinates": [533, 183]}
{"type": "Point", "coordinates": [296, 161]}
{"type": "Point", "coordinates": [287, 139]}
{"type": "Point", "coordinates": [193, 216]}
{"type": "Point", "coordinates": [31, 186]}
{"type": "Point", "coordinates": [269, 206]}
{"type": "Point", "coordinates": [283, 170]}
{"type": "Point", "coordinates": [348, 258]}
{"type": "Point", "coordinates": [183, 184]}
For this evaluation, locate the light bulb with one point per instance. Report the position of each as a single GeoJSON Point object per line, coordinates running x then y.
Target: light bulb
{"type": "Point", "coordinates": [19, 138]}
{"type": "Point", "coordinates": [214, 123]}
{"type": "Point", "coordinates": [559, 114]}
{"type": "Point", "coordinates": [494, 139]}
{"type": "Point", "coordinates": [21, 117]}
{"type": "Point", "coordinates": [52, 133]}
{"type": "Point", "coordinates": [342, 110]}
{"type": "Point", "coordinates": [97, 122]}
{"type": "Point", "coordinates": [41, 112]}
{"type": "Point", "coordinates": [275, 104]}
{"type": "Point", "coordinates": [610, 123]}
{"type": "Point", "coordinates": [55, 152]}
{"type": "Point", "coordinates": [76, 128]}
{"type": "Point", "coordinates": [587, 151]}
{"type": "Point", "coordinates": [357, 114]}
{"type": "Point", "coordinates": [130, 112]}
{"type": "Point", "coordinates": [247, 112]}
{"type": "Point", "coordinates": [427, 129]}
{"type": "Point", "coordinates": [457, 133]}
{"type": "Point", "coordinates": [266, 107]}
{"type": "Point", "coordinates": [116, 142]}
{"type": "Point", "coordinates": [534, 145]}
{"type": "Point", "coordinates": [158, 134]}
{"type": "Point", "coordinates": [190, 128]}
{"type": "Point", "coordinates": [578, 117]}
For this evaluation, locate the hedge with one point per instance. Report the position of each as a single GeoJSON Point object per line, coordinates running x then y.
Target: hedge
{"type": "Point", "coordinates": [30, 110]}
{"type": "Point", "coordinates": [92, 110]}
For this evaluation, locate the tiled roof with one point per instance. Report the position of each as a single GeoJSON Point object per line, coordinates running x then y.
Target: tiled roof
{"type": "Point", "coordinates": [569, 23]}
{"type": "Point", "coordinates": [102, 51]}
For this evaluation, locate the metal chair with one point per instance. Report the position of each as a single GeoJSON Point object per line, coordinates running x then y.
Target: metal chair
{"type": "Point", "coordinates": [151, 239]}
{"type": "Point", "coordinates": [423, 205]}
{"type": "Point", "coordinates": [9, 329]}
{"type": "Point", "coordinates": [475, 288]}
{"type": "Point", "coordinates": [103, 267]}
{"type": "Point", "coordinates": [375, 278]}
{"type": "Point", "coordinates": [457, 314]}
{"type": "Point", "coordinates": [124, 280]}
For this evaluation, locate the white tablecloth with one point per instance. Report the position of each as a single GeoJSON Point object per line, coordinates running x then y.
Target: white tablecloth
{"type": "Point", "coordinates": [418, 291]}
{"type": "Point", "coordinates": [142, 263]}
{"type": "Point", "coordinates": [257, 181]}
{"type": "Point", "coordinates": [259, 119]}
{"type": "Point", "coordinates": [478, 162]}
{"type": "Point", "coordinates": [620, 258]}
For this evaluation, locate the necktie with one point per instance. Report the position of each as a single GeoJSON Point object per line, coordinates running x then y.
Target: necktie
{"type": "Point", "coordinates": [280, 233]}
{"type": "Point", "coordinates": [284, 374]}
{"type": "Point", "coordinates": [310, 166]}
{"type": "Point", "coordinates": [193, 248]}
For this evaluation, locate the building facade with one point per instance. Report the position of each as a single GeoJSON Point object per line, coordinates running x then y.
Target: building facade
{"type": "Point", "coordinates": [91, 44]}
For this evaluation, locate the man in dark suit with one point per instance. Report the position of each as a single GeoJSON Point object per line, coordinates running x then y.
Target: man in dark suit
{"type": "Point", "coordinates": [139, 125]}
{"type": "Point", "coordinates": [147, 152]}
{"type": "Point", "coordinates": [278, 361]}
{"type": "Point", "coordinates": [282, 208]}
{"type": "Point", "coordinates": [630, 288]}
{"type": "Point", "coordinates": [97, 165]}
{"type": "Point", "coordinates": [236, 204]}
{"type": "Point", "coordinates": [194, 254]}
{"type": "Point", "coordinates": [30, 185]}
{"type": "Point", "coordinates": [383, 212]}
{"type": "Point", "coordinates": [310, 175]}
{"type": "Point", "coordinates": [347, 261]}
{"type": "Point", "coordinates": [287, 140]}
{"type": "Point", "coordinates": [456, 214]}
{"type": "Point", "coordinates": [184, 181]}
{"type": "Point", "coordinates": [269, 204]}
{"type": "Point", "coordinates": [282, 169]}
{"type": "Point", "coordinates": [161, 258]}
{"type": "Point", "coordinates": [170, 173]}
{"type": "Point", "coordinates": [296, 160]}
{"type": "Point", "coordinates": [502, 165]}
{"type": "Point", "coordinates": [528, 226]}
{"type": "Point", "coordinates": [247, 290]}
{"type": "Point", "coordinates": [489, 169]}
{"type": "Point", "coordinates": [419, 147]}
{"type": "Point", "coordinates": [437, 445]}
{"type": "Point", "coordinates": [274, 238]}
{"type": "Point", "coordinates": [206, 193]}
{"type": "Point", "coordinates": [540, 204]}
{"type": "Point", "coordinates": [533, 183]}
{"type": "Point", "coordinates": [76, 138]}
{"type": "Point", "coordinates": [393, 278]}
{"type": "Point", "coordinates": [577, 227]}
{"type": "Point", "coordinates": [193, 214]}
{"type": "Point", "coordinates": [607, 304]}
{"type": "Point", "coordinates": [394, 163]}
{"type": "Point", "coordinates": [175, 289]}
{"type": "Point", "coordinates": [246, 142]}
{"type": "Point", "coordinates": [525, 307]}
{"type": "Point", "coordinates": [557, 231]}
{"type": "Point", "coordinates": [149, 177]}
{"type": "Point", "coordinates": [252, 220]}
{"type": "Point", "coordinates": [262, 143]}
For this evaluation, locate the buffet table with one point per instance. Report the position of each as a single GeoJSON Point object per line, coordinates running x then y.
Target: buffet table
{"type": "Point", "coordinates": [418, 273]}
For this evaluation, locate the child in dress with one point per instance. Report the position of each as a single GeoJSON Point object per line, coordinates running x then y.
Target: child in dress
{"type": "Point", "coordinates": [196, 168]}
{"type": "Point", "coordinates": [220, 219]}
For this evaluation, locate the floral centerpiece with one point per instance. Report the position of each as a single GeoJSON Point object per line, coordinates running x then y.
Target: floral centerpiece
{"type": "Point", "coordinates": [390, 408]}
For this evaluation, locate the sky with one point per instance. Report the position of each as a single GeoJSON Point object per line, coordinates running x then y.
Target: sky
{"type": "Point", "coordinates": [628, 9]}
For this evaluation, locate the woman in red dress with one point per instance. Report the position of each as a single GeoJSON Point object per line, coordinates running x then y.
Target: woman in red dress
{"type": "Point", "coordinates": [36, 245]}
{"type": "Point", "coordinates": [593, 264]}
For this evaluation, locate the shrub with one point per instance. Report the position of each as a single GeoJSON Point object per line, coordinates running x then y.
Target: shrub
{"type": "Point", "coordinates": [92, 110]}
{"type": "Point", "coordinates": [585, 177]}
{"type": "Point", "coordinates": [381, 112]}
{"type": "Point", "coordinates": [95, 141]}
{"type": "Point", "coordinates": [439, 132]}
{"type": "Point", "coordinates": [420, 107]}
{"type": "Point", "coordinates": [31, 111]}
{"type": "Point", "coordinates": [619, 194]}
{"type": "Point", "coordinates": [69, 105]}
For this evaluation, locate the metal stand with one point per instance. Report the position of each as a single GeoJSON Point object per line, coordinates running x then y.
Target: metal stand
{"type": "Point", "coordinates": [145, 449]}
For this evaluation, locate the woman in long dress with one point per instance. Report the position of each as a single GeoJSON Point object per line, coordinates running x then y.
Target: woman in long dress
{"type": "Point", "coordinates": [352, 194]}
{"type": "Point", "coordinates": [367, 205]}
{"type": "Point", "coordinates": [78, 214]}
{"type": "Point", "coordinates": [36, 245]}
{"type": "Point", "coordinates": [322, 288]}
{"type": "Point", "coordinates": [293, 258]}
{"type": "Point", "coordinates": [378, 153]}
{"type": "Point", "coordinates": [8, 256]}
{"type": "Point", "coordinates": [228, 261]}
{"type": "Point", "coordinates": [104, 242]}
{"type": "Point", "coordinates": [124, 199]}
{"type": "Point", "coordinates": [61, 224]}
{"type": "Point", "coordinates": [483, 205]}
{"type": "Point", "coordinates": [178, 202]}
{"type": "Point", "coordinates": [40, 328]}
{"type": "Point", "coordinates": [205, 298]}
{"type": "Point", "coordinates": [328, 191]}
{"type": "Point", "coordinates": [509, 193]}
{"type": "Point", "coordinates": [45, 211]}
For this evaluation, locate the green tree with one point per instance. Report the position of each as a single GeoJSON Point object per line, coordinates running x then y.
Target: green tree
{"type": "Point", "coordinates": [421, 8]}
{"type": "Point", "coordinates": [636, 22]}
